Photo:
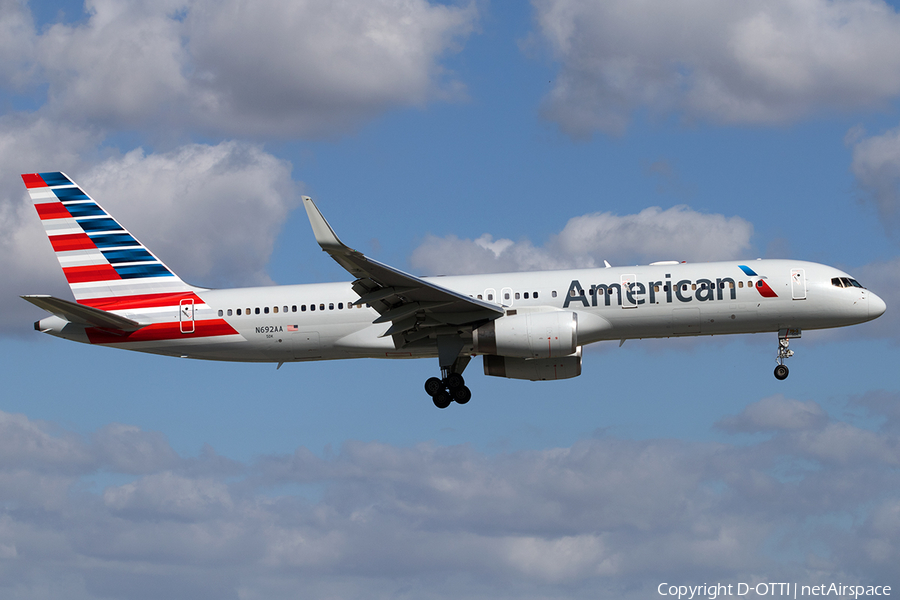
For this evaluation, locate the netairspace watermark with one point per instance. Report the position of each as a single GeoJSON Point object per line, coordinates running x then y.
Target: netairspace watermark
{"type": "Point", "coordinates": [792, 590]}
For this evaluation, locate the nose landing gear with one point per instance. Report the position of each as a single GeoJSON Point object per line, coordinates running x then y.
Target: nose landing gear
{"type": "Point", "coordinates": [784, 335]}
{"type": "Point", "coordinates": [781, 372]}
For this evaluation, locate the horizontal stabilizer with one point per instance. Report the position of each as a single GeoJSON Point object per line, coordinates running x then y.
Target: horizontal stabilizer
{"type": "Point", "coordinates": [83, 315]}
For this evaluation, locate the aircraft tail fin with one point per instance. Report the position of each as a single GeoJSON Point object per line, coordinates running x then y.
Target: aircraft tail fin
{"type": "Point", "coordinates": [103, 263]}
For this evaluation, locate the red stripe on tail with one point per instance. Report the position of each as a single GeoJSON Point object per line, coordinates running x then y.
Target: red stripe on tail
{"type": "Point", "coordinates": [90, 273]}
{"type": "Point", "coordinates": [52, 210]}
{"type": "Point", "coordinates": [72, 241]}
{"type": "Point", "coordinates": [163, 331]}
{"type": "Point", "coordinates": [141, 301]}
{"type": "Point", "coordinates": [33, 180]}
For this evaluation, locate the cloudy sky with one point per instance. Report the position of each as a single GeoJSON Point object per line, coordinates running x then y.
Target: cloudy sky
{"type": "Point", "coordinates": [444, 138]}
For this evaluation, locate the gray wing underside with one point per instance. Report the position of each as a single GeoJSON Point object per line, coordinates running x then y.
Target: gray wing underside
{"type": "Point", "coordinates": [416, 308]}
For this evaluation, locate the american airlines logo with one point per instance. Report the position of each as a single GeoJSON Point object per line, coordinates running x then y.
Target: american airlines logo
{"type": "Point", "coordinates": [761, 286]}
{"type": "Point", "coordinates": [634, 293]}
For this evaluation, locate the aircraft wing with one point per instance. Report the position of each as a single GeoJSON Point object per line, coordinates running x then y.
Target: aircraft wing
{"type": "Point", "coordinates": [84, 315]}
{"type": "Point", "coordinates": [414, 306]}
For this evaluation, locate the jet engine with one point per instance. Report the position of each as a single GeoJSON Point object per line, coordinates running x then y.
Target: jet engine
{"type": "Point", "coordinates": [534, 369]}
{"type": "Point", "coordinates": [530, 335]}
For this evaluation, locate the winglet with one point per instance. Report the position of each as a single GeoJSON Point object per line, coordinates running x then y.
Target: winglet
{"type": "Point", "coordinates": [325, 235]}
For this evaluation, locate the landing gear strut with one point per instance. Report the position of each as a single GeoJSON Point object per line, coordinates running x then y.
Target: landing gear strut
{"type": "Point", "coordinates": [781, 371]}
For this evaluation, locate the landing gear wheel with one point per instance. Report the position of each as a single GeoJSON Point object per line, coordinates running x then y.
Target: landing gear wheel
{"type": "Point", "coordinates": [455, 381]}
{"type": "Point", "coordinates": [442, 399]}
{"type": "Point", "coordinates": [461, 394]}
{"type": "Point", "coordinates": [781, 372]}
{"type": "Point", "coordinates": [433, 386]}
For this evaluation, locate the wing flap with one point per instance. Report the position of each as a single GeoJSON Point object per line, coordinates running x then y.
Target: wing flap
{"type": "Point", "coordinates": [84, 315]}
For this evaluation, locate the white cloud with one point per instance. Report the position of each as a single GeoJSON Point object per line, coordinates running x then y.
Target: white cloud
{"type": "Point", "coordinates": [17, 37]}
{"type": "Point", "coordinates": [127, 449]}
{"type": "Point", "coordinates": [211, 213]}
{"type": "Point", "coordinates": [554, 522]}
{"type": "Point", "coordinates": [776, 413]}
{"type": "Point", "coordinates": [759, 63]}
{"type": "Point", "coordinates": [167, 495]}
{"type": "Point", "coordinates": [124, 65]}
{"type": "Point", "coordinates": [28, 444]}
{"type": "Point", "coordinates": [876, 167]}
{"type": "Point", "coordinates": [677, 233]}
{"type": "Point", "coordinates": [249, 68]}
{"type": "Point", "coordinates": [313, 67]}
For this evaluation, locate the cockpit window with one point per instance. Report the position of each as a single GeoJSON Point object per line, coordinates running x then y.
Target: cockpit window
{"type": "Point", "coordinates": [845, 282]}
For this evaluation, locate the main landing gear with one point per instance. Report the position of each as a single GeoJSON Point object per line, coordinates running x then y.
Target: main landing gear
{"type": "Point", "coordinates": [451, 388]}
{"type": "Point", "coordinates": [781, 371]}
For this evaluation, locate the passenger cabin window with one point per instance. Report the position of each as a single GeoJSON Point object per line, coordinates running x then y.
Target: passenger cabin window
{"type": "Point", "coordinates": [526, 295]}
{"type": "Point", "coordinates": [535, 294]}
{"type": "Point", "coordinates": [221, 314]}
{"type": "Point", "coordinates": [257, 310]}
{"type": "Point", "coordinates": [553, 293]}
{"type": "Point", "coordinates": [275, 309]}
{"type": "Point", "coordinates": [266, 309]}
{"type": "Point", "coordinates": [229, 312]}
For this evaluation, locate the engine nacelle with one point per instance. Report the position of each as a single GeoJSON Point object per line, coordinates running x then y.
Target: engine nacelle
{"type": "Point", "coordinates": [529, 335]}
{"type": "Point", "coordinates": [534, 369]}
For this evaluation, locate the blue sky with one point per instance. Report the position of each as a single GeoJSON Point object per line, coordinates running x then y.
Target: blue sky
{"type": "Point", "coordinates": [452, 138]}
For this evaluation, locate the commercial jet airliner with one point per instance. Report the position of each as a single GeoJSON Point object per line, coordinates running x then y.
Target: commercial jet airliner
{"type": "Point", "coordinates": [524, 325]}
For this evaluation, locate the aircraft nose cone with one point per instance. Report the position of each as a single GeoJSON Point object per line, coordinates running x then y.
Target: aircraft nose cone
{"type": "Point", "coordinates": [876, 306]}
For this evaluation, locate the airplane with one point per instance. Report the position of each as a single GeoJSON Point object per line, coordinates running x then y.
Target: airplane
{"type": "Point", "coordinates": [527, 325]}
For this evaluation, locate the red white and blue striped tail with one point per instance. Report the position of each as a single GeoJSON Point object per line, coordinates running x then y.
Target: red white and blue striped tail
{"type": "Point", "coordinates": [105, 265]}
